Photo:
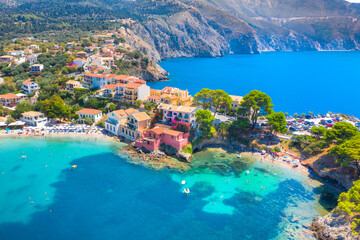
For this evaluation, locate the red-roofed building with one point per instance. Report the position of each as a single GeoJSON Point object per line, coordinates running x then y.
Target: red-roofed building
{"type": "Point", "coordinates": [9, 100]}
{"type": "Point", "coordinates": [29, 87]}
{"type": "Point", "coordinates": [109, 90]}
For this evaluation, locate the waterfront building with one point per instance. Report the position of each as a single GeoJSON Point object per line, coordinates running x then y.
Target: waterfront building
{"type": "Point", "coordinates": [112, 123]}
{"type": "Point", "coordinates": [133, 126]}
{"type": "Point", "coordinates": [93, 114]}
{"type": "Point", "coordinates": [156, 136]}
{"type": "Point", "coordinates": [36, 119]}
{"type": "Point", "coordinates": [178, 113]}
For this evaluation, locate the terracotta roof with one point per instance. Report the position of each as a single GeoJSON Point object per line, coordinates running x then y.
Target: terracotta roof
{"type": "Point", "coordinates": [89, 111]}
{"type": "Point", "coordinates": [110, 86]}
{"type": "Point", "coordinates": [110, 76]}
{"type": "Point", "coordinates": [79, 59]}
{"type": "Point", "coordinates": [120, 84]}
{"type": "Point", "coordinates": [131, 111]}
{"type": "Point", "coordinates": [154, 91]}
{"type": "Point", "coordinates": [125, 112]}
{"type": "Point", "coordinates": [27, 82]}
{"type": "Point", "coordinates": [31, 114]}
{"type": "Point", "coordinates": [122, 77]}
{"type": "Point", "coordinates": [157, 130]}
{"type": "Point", "coordinates": [3, 119]}
{"type": "Point", "coordinates": [141, 116]}
{"type": "Point", "coordinates": [9, 96]}
{"type": "Point", "coordinates": [173, 132]}
{"type": "Point", "coordinates": [133, 85]}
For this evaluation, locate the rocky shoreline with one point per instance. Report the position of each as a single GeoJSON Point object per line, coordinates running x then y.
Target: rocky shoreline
{"type": "Point", "coordinates": [333, 226]}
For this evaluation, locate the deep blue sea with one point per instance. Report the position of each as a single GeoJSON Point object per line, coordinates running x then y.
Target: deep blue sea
{"type": "Point", "coordinates": [106, 197]}
{"type": "Point", "coordinates": [296, 81]}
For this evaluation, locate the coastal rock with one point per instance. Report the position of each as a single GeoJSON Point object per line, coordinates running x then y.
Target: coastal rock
{"type": "Point", "coordinates": [333, 226]}
{"type": "Point", "coordinates": [326, 167]}
{"type": "Point", "coordinates": [185, 157]}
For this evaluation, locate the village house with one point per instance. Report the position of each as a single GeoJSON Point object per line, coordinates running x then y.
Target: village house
{"type": "Point", "coordinates": [36, 68]}
{"type": "Point", "coordinates": [29, 87]}
{"type": "Point", "coordinates": [93, 114]}
{"type": "Point", "coordinates": [6, 59]}
{"type": "Point", "coordinates": [109, 61]}
{"type": "Point", "coordinates": [112, 123]}
{"type": "Point", "coordinates": [178, 113]}
{"type": "Point", "coordinates": [16, 52]}
{"type": "Point", "coordinates": [156, 136]}
{"type": "Point", "coordinates": [109, 90]}
{"type": "Point", "coordinates": [170, 95]}
{"type": "Point", "coordinates": [81, 54]}
{"type": "Point", "coordinates": [9, 100]}
{"type": "Point", "coordinates": [235, 104]}
{"type": "Point", "coordinates": [79, 61]}
{"type": "Point", "coordinates": [131, 92]}
{"type": "Point", "coordinates": [133, 127]}
{"type": "Point", "coordinates": [36, 119]}
{"type": "Point", "coordinates": [95, 80]}
{"type": "Point", "coordinates": [32, 59]}
{"type": "Point", "coordinates": [109, 41]}
{"type": "Point", "coordinates": [34, 46]}
{"type": "Point", "coordinates": [71, 84]}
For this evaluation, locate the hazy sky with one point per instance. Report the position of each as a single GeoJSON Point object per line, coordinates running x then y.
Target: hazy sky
{"type": "Point", "coordinates": [354, 1]}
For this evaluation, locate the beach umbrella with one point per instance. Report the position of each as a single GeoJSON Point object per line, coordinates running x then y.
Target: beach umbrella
{"type": "Point", "coordinates": [7, 129]}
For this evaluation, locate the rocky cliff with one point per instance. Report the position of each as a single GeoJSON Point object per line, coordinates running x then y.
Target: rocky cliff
{"type": "Point", "coordinates": [201, 28]}
{"type": "Point", "coordinates": [334, 226]}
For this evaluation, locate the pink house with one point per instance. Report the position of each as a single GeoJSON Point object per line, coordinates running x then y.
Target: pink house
{"type": "Point", "coordinates": [153, 138]}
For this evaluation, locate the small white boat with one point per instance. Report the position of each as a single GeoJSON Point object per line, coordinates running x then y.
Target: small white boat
{"type": "Point", "coordinates": [247, 171]}
{"type": "Point", "coordinates": [186, 191]}
{"type": "Point", "coordinates": [23, 156]}
{"type": "Point", "coordinates": [183, 182]}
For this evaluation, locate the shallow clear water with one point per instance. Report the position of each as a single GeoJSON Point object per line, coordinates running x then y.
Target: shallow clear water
{"type": "Point", "coordinates": [296, 81]}
{"type": "Point", "coordinates": [105, 197]}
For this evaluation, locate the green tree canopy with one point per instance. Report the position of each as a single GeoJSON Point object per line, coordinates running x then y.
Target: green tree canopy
{"type": "Point", "coordinates": [341, 131]}
{"type": "Point", "coordinates": [348, 152]}
{"type": "Point", "coordinates": [203, 98]}
{"type": "Point", "coordinates": [349, 202]}
{"type": "Point", "coordinates": [213, 99]}
{"type": "Point", "coordinates": [257, 104]}
{"type": "Point", "coordinates": [205, 119]}
{"type": "Point", "coordinates": [277, 121]}
{"type": "Point", "coordinates": [21, 108]}
{"type": "Point", "coordinates": [55, 108]}
{"type": "Point", "coordinates": [318, 132]}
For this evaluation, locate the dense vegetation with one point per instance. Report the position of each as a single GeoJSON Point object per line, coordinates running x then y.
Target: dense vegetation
{"type": "Point", "coordinates": [349, 202]}
{"type": "Point", "coordinates": [34, 17]}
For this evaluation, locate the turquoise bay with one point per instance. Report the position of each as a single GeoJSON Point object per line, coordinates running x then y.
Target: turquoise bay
{"type": "Point", "coordinates": [106, 197]}
{"type": "Point", "coordinates": [296, 81]}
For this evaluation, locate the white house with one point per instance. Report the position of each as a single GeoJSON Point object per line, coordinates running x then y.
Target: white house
{"type": "Point", "coordinates": [93, 114]}
{"type": "Point", "coordinates": [36, 68]}
{"type": "Point", "coordinates": [36, 119]}
{"type": "Point", "coordinates": [29, 87]}
{"type": "Point", "coordinates": [16, 52]}
{"type": "Point", "coordinates": [71, 84]}
{"type": "Point", "coordinates": [31, 59]}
